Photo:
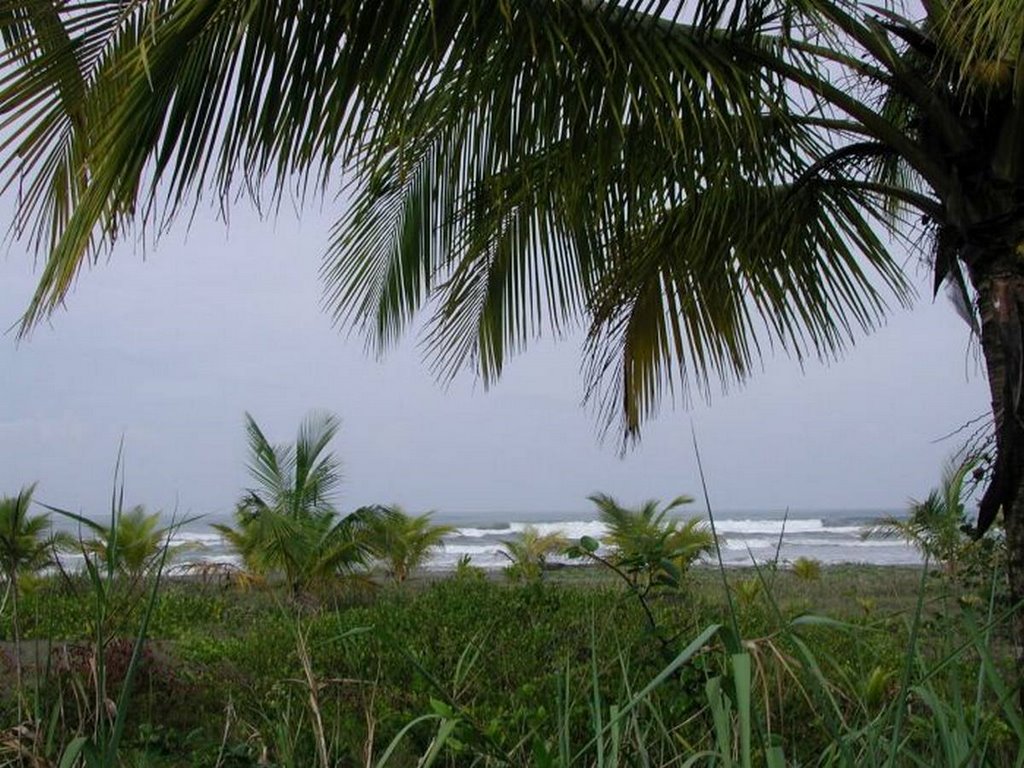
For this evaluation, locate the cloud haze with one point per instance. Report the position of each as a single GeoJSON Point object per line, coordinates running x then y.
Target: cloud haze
{"type": "Point", "coordinates": [170, 350]}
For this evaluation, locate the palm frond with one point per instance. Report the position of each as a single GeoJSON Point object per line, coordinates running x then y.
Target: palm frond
{"type": "Point", "coordinates": [317, 474]}
{"type": "Point", "coordinates": [271, 466]}
{"type": "Point", "coordinates": [518, 170]}
{"type": "Point", "coordinates": [25, 541]}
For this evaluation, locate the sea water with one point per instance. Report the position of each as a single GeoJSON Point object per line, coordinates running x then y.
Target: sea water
{"type": "Point", "coordinates": [834, 536]}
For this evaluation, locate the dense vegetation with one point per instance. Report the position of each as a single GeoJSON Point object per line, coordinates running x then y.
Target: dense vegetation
{"type": "Point", "coordinates": [322, 648]}
{"type": "Point", "coordinates": [490, 672]}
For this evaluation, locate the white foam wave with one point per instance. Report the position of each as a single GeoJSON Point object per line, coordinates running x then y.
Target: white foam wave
{"type": "Point", "coordinates": [471, 549]}
{"type": "Point", "coordinates": [197, 538]}
{"type": "Point", "coordinates": [574, 529]}
{"type": "Point", "coordinates": [776, 527]}
{"type": "Point", "coordinates": [571, 529]}
{"type": "Point", "coordinates": [738, 543]}
{"type": "Point", "coordinates": [480, 533]}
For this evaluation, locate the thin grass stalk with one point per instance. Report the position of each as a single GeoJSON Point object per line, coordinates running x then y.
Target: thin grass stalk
{"type": "Point", "coordinates": [682, 658]}
{"type": "Point", "coordinates": [452, 706]}
{"type": "Point", "coordinates": [19, 681]}
{"type": "Point", "coordinates": [129, 677]}
{"type": "Point", "coordinates": [980, 684]}
{"type": "Point", "coordinates": [368, 716]}
{"type": "Point", "coordinates": [634, 722]}
{"type": "Point", "coordinates": [229, 714]}
{"type": "Point", "coordinates": [389, 751]}
{"type": "Point", "coordinates": [314, 700]}
{"type": "Point", "coordinates": [596, 700]}
{"type": "Point", "coordinates": [734, 621]}
{"type": "Point", "coordinates": [901, 703]}
{"type": "Point", "coordinates": [564, 710]}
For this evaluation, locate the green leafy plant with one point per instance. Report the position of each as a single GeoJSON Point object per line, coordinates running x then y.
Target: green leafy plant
{"type": "Point", "coordinates": [27, 545]}
{"type": "Point", "coordinates": [654, 549]}
{"type": "Point", "coordinates": [529, 552]}
{"type": "Point", "coordinates": [97, 741]}
{"type": "Point", "coordinates": [138, 540]}
{"type": "Point", "coordinates": [466, 571]}
{"type": "Point", "coordinates": [288, 524]}
{"type": "Point", "coordinates": [402, 542]}
{"type": "Point", "coordinates": [806, 569]}
{"type": "Point", "coordinates": [937, 526]}
{"type": "Point", "coordinates": [648, 551]}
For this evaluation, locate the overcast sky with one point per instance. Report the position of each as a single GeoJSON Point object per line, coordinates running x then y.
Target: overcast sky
{"type": "Point", "coordinates": [170, 350]}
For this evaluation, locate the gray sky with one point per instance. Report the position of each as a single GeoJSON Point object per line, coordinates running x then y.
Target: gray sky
{"type": "Point", "coordinates": [170, 351]}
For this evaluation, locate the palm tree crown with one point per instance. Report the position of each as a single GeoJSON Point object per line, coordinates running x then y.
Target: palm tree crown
{"type": "Point", "coordinates": [296, 480]}
{"type": "Point", "coordinates": [133, 544]}
{"type": "Point", "coordinates": [645, 538]}
{"type": "Point", "coordinates": [25, 542]}
{"type": "Point", "coordinates": [936, 526]}
{"type": "Point", "coordinates": [288, 523]}
{"type": "Point", "coordinates": [404, 542]}
{"type": "Point", "coordinates": [528, 553]}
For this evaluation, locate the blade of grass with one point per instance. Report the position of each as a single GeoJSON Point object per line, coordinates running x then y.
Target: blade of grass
{"type": "Point", "coordinates": [718, 546]}
{"type": "Point", "coordinates": [129, 676]}
{"type": "Point", "coordinates": [908, 667]}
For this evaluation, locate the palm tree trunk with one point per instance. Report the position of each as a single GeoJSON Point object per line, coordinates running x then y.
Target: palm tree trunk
{"type": "Point", "coordinates": [1001, 303]}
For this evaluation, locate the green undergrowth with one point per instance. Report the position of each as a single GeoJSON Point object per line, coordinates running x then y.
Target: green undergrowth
{"type": "Point", "coordinates": [570, 671]}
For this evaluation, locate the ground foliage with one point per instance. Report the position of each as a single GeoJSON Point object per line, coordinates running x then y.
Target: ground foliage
{"type": "Point", "coordinates": [246, 677]}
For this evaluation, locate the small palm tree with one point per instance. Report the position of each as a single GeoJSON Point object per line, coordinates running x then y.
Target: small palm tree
{"type": "Point", "coordinates": [26, 546]}
{"type": "Point", "coordinates": [807, 569]}
{"type": "Point", "coordinates": [288, 524]}
{"type": "Point", "coordinates": [936, 526]}
{"type": "Point", "coordinates": [650, 546]}
{"type": "Point", "coordinates": [404, 542]}
{"type": "Point", "coordinates": [297, 480]}
{"type": "Point", "coordinates": [133, 544]}
{"type": "Point", "coordinates": [529, 552]}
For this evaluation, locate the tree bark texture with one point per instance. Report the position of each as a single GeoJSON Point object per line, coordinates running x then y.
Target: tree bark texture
{"type": "Point", "coordinates": [1001, 305]}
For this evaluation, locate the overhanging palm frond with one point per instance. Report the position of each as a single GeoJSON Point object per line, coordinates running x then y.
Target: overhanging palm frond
{"type": "Point", "coordinates": [515, 209]}
{"type": "Point", "coordinates": [698, 292]}
{"type": "Point", "coordinates": [511, 162]}
{"type": "Point", "coordinates": [496, 195]}
{"type": "Point", "coordinates": [981, 43]}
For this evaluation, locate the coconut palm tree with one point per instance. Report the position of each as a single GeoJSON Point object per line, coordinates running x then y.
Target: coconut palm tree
{"type": "Point", "coordinates": [404, 542]}
{"type": "Point", "coordinates": [134, 544]}
{"type": "Point", "coordinates": [26, 546]}
{"type": "Point", "coordinates": [528, 553]}
{"type": "Point", "coordinates": [288, 523]}
{"type": "Point", "coordinates": [645, 539]}
{"type": "Point", "coordinates": [692, 183]}
{"type": "Point", "coordinates": [935, 526]}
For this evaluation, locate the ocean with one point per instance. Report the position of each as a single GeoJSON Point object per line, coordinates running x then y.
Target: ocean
{"type": "Point", "coordinates": [828, 536]}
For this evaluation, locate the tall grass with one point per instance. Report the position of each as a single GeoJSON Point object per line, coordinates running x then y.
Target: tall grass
{"type": "Point", "coordinates": [100, 723]}
{"type": "Point", "coordinates": [922, 717]}
{"type": "Point", "coordinates": [479, 674]}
